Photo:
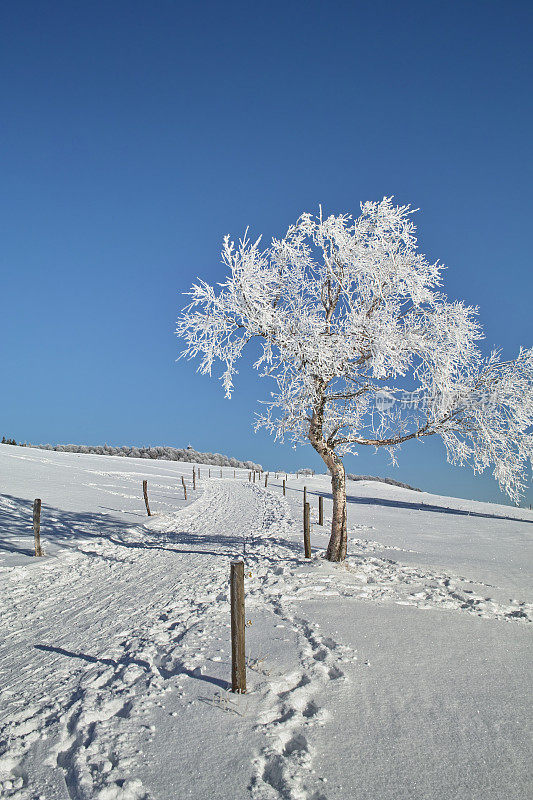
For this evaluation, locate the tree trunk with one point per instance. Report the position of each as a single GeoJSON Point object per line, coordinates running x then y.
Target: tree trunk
{"type": "Point", "coordinates": [338, 542]}
{"type": "Point", "coordinates": [339, 530]}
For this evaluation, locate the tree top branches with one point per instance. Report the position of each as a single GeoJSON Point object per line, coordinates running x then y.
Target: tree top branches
{"type": "Point", "coordinates": [362, 345]}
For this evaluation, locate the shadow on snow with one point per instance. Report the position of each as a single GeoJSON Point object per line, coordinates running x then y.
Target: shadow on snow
{"type": "Point", "coordinates": [420, 506]}
{"type": "Point", "coordinates": [70, 529]}
{"type": "Point", "coordinates": [125, 661]}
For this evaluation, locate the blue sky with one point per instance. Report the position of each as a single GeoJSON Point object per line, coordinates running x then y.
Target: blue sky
{"type": "Point", "coordinates": [134, 135]}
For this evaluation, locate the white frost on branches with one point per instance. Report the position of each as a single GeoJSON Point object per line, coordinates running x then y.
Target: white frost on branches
{"type": "Point", "coordinates": [348, 314]}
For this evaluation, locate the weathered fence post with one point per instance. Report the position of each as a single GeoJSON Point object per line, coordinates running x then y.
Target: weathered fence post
{"type": "Point", "coordinates": [284, 488]}
{"type": "Point", "coordinates": [234, 474]}
{"type": "Point", "coordinates": [37, 526]}
{"type": "Point", "coordinates": [194, 479]}
{"type": "Point", "coordinates": [254, 475]}
{"type": "Point", "coordinates": [145, 492]}
{"type": "Point", "coordinates": [266, 480]}
{"type": "Point", "coordinates": [198, 473]}
{"type": "Point", "coordinates": [307, 526]}
{"type": "Point", "coordinates": [238, 659]}
{"type": "Point", "coordinates": [305, 495]}
{"type": "Point", "coordinates": [184, 487]}
{"type": "Point", "coordinates": [320, 510]}
{"type": "Point", "coordinates": [250, 477]}
{"type": "Point", "coordinates": [220, 473]}
{"type": "Point", "coordinates": [209, 472]}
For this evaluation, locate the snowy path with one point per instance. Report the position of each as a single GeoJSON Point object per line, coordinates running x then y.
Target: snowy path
{"type": "Point", "coordinates": [131, 627]}
{"type": "Point", "coordinates": [105, 627]}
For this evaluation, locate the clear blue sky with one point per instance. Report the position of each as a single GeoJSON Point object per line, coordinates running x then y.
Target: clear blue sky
{"type": "Point", "coordinates": [134, 135]}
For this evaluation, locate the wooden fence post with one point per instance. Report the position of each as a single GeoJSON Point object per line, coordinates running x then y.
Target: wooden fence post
{"type": "Point", "coordinates": [194, 479]}
{"type": "Point", "coordinates": [37, 526]}
{"type": "Point", "coordinates": [220, 473]}
{"type": "Point", "coordinates": [238, 658]}
{"type": "Point", "coordinates": [320, 510]}
{"type": "Point", "coordinates": [254, 475]}
{"type": "Point", "coordinates": [234, 474]}
{"type": "Point", "coordinates": [266, 479]}
{"type": "Point", "coordinates": [305, 495]}
{"type": "Point", "coordinates": [145, 492]}
{"type": "Point", "coordinates": [209, 472]}
{"type": "Point", "coordinates": [184, 487]}
{"type": "Point", "coordinates": [198, 473]}
{"type": "Point", "coordinates": [283, 487]}
{"type": "Point", "coordinates": [250, 477]}
{"type": "Point", "coordinates": [307, 526]}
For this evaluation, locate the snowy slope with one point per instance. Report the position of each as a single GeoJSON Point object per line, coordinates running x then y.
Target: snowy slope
{"type": "Point", "coordinates": [399, 674]}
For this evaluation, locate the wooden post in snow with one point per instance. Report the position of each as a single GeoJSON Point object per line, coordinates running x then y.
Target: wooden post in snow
{"type": "Point", "coordinates": [238, 659]}
{"type": "Point", "coordinates": [184, 487]}
{"type": "Point", "coordinates": [254, 475]}
{"type": "Point", "coordinates": [284, 488]}
{"type": "Point", "coordinates": [234, 474]}
{"type": "Point", "coordinates": [37, 526]}
{"type": "Point", "coordinates": [307, 531]}
{"type": "Point", "coordinates": [266, 480]}
{"type": "Point", "coordinates": [305, 495]}
{"type": "Point", "coordinates": [145, 492]}
{"type": "Point", "coordinates": [210, 472]}
{"type": "Point", "coordinates": [194, 479]}
{"type": "Point", "coordinates": [250, 477]}
{"type": "Point", "coordinates": [320, 510]}
{"type": "Point", "coordinates": [220, 473]}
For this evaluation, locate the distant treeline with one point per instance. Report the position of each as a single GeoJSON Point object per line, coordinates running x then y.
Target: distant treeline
{"type": "Point", "coordinates": [8, 441]}
{"type": "Point", "coordinates": [161, 453]}
{"type": "Point", "coordinates": [391, 481]}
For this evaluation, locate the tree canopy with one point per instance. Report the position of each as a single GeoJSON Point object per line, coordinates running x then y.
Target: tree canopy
{"type": "Point", "coordinates": [363, 346]}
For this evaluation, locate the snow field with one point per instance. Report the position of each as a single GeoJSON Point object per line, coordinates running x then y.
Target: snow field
{"type": "Point", "coordinates": [115, 653]}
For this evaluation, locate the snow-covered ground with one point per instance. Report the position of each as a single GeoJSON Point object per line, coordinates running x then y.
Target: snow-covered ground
{"type": "Point", "coordinates": [402, 673]}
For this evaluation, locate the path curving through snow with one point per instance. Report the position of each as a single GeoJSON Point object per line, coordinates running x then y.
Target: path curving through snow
{"type": "Point", "coordinates": [94, 636]}
{"type": "Point", "coordinates": [134, 623]}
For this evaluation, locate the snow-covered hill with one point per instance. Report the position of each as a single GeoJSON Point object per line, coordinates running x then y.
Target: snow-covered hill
{"type": "Point", "coordinates": [399, 674]}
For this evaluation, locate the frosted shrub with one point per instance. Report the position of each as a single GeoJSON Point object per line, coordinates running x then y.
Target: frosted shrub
{"type": "Point", "coordinates": [163, 453]}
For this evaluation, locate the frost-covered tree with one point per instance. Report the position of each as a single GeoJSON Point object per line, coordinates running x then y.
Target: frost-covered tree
{"type": "Point", "coordinates": [364, 349]}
